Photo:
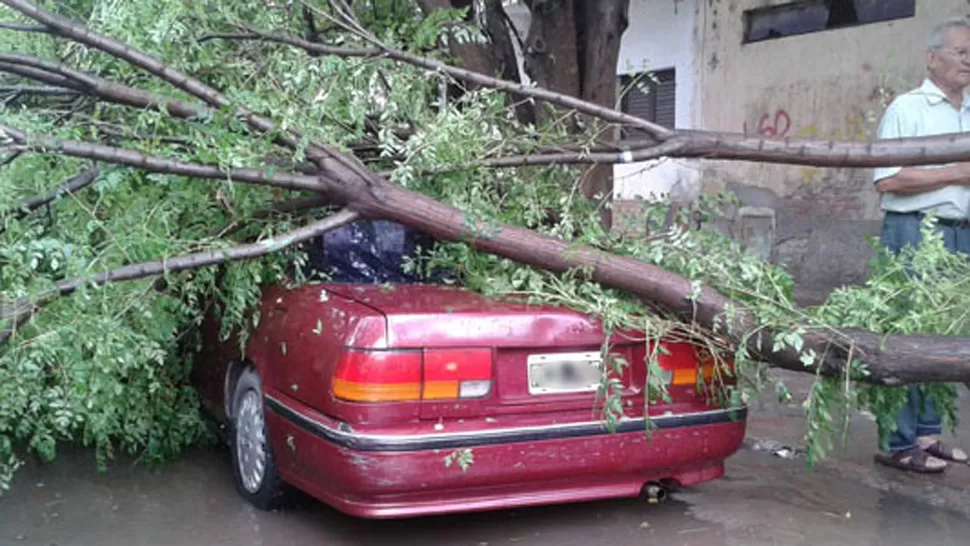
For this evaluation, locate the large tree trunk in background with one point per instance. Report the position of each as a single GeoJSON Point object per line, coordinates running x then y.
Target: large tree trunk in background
{"type": "Point", "coordinates": [573, 47]}
{"type": "Point", "coordinates": [551, 49]}
{"type": "Point", "coordinates": [600, 26]}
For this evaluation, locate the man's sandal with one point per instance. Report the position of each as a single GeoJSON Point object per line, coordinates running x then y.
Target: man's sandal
{"type": "Point", "coordinates": [943, 451]}
{"type": "Point", "coordinates": [913, 460]}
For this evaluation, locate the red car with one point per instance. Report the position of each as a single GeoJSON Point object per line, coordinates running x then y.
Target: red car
{"type": "Point", "coordinates": [403, 400]}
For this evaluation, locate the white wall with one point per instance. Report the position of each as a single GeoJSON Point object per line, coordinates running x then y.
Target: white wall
{"type": "Point", "coordinates": [661, 35]}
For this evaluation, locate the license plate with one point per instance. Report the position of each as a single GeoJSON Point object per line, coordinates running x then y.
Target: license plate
{"type": "Point", "coordinates": [564, 373]}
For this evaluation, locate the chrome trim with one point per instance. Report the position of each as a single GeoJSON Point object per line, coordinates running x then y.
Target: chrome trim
{"type": "Point", "coordinates": [344, 436]}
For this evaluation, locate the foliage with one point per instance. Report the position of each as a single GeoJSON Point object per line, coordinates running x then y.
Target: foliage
{"type": "Point", "coordinates": [110, 366]}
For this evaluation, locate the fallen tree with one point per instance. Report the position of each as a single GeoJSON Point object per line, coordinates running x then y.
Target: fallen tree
{"type": "Point", "coordinates": [575, 261]}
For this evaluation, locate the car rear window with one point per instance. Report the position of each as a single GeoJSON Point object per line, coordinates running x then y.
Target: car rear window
{"type": "Point", "coordinates": [371, 252]}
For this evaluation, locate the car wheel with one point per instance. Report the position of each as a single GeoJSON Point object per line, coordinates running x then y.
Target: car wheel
{"type": "Point", "coordinates": [253, 465]}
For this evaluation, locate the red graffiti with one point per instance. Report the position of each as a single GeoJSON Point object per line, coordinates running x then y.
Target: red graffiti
{"type": "Point", "coordinates": [777, 127]}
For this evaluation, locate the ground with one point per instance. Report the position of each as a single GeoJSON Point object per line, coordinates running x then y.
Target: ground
{"type": "Point", "coordinates": [764, 499]}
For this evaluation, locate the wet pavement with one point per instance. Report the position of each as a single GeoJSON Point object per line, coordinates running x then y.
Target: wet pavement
{"type": "Point", "coordinates": [763, 500]}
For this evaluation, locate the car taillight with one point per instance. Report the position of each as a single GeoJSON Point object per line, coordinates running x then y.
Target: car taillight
{"type": "Point", "coordinates": [460, 373]}
{"type": "Point", "coordinates": [378, 376]}
{"type": "Point", "coordinates": [683, 362]}
{"type": "Point", "coordinates": [402, 376]}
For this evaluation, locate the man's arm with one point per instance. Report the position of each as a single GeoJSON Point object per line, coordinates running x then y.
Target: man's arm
{"type": "Point", "coordinates": [913, 180]}
{"type": "Point", "coordinates": [898, 122]}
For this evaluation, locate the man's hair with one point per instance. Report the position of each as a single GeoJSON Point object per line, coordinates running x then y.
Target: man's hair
{"type": "Point", "coordinates": [935, 41]}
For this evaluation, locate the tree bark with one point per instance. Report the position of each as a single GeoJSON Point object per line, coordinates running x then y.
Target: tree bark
{"type": "Point", "coordinates": [551, 50]}
{"type": "Point", "coordinates": [573, 48]}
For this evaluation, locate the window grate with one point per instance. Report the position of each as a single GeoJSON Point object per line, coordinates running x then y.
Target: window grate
{"type": "Point", "coordinates": [651, 96]}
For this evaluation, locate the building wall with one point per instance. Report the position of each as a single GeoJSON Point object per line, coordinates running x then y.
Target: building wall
{"type": "Point", "coordinates": [820, 85]}
{"type": "Point", "coordinates": [661, 35]}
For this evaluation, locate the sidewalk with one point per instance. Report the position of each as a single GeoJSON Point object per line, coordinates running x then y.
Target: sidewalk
{"type": "Point", "coordinates": [773, 426]}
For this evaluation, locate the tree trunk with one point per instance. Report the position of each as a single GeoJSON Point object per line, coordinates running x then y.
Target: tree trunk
{"type": "Point", "coordinates": [599, 29]}
{"type": "Point", "coordinates": [573, 48]}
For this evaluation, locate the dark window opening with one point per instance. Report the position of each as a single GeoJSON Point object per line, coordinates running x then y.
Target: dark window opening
{"type": "Point", "coordinates": [650, 96]}
{"type": "Point", "coordinates": [808, 16]}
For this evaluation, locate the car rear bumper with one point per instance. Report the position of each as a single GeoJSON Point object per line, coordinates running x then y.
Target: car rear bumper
{"type": "Point", "coordinates": [405, 473]}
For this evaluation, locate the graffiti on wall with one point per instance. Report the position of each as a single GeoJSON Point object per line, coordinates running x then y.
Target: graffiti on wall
{"type": "Point", "coordinates": [772, 125]}
{"type": "Point", "coordinates": [855, 128]}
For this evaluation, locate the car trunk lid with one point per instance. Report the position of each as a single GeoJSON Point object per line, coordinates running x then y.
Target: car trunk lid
{"type": "Point", "coordinates": [546, 358]}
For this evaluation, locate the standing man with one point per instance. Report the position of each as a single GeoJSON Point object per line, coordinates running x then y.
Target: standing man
{"type": "Point", "coordinates": [940, 105]}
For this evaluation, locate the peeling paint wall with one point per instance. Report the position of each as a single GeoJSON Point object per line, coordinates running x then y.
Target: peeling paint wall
{"type": "Point", "coordinates": [819, 85]}
{"type": "Point", "coordinates": [823, 85]}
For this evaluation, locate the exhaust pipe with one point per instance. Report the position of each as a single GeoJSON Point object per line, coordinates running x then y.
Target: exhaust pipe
{"type": "Point", "coordinates": [654, 493]}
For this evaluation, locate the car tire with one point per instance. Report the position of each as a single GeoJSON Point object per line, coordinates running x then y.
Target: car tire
{"type": "Point", "coordinates": [253, 464]}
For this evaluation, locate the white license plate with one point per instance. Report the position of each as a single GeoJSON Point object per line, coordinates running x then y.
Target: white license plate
{"type": "Point", "coordinates": [564, 373]}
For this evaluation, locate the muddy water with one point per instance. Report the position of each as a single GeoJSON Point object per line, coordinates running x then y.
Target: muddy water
{"type": "Point", "coordinates": [763, 500]}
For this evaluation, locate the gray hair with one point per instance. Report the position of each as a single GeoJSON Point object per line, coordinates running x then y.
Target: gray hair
{"type": "Point", "coordinates": [935, 41]}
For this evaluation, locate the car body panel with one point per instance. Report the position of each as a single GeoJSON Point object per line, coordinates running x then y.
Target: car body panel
{"type": "Point", "coordinates": [388, 459]}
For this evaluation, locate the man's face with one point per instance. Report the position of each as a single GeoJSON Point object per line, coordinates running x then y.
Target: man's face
{"type": "Point", "coordinates": [950, 65]}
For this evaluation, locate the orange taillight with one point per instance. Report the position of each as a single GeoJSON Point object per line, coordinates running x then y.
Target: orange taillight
{"type": "Point", "coordinates": [378, 376]}
{"type": "Point", "coordinates": [684, 361]}
{"type": "Point", "coordinates": [413, 375]}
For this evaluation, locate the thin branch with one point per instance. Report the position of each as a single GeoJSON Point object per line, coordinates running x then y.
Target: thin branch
{"type": "Point", "coordinates": [16, 314]}
{"type": "Point", "coordinates": [574, 158]}
{"type": "Point", "coordinates": [608, 114]}
{"type": "Point", "coordinates": [10, 158]}
{"type": "Point", "coordinates": [39, 75]}
{"type": "Point", "coordinates": [38, 90]}
{"type": "Point", "coordinates": [164, 165]}
{"type": "Point", "coordinates": [291, 206]}
{"type": "Point", "coordinates": [52, 67]}
{"type": "Point", "coordinates": [59, 74]}
{"type": "Point", "coordinates": [20, 27]}
{"type": "Point", "coordinates": [73, 185]}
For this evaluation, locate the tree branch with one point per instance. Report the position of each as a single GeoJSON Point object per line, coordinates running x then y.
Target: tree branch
{"type": "Point", "coordinates": [14, 315]}
{"type": "Point", "coordinates": [291, 206]}
{"type": "Point", "coordinates": [71, 186]}
{"type": "Point", "coordinates": [698, 144]}
{"type": "Point", "coordinates": [59, 74]}
{"type": "Point", "coordinates": [574, 158]}
{"type": "Point", "coordinates": [337, 165]}
{"type": "Point", "coordinates": [20, 27]}
{"type": "Point", "coordinates": [574, 103]}
{"type": "Point", "coordinates": [164, 165]}
{"type": "Point", "coordinates": [370, 197]}
{"type": "Point", "coordinates": [38, 90]}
